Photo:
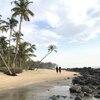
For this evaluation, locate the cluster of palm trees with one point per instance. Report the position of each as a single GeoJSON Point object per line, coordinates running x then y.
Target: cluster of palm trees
{"type": "Point", "coordinates": [16, 55]}
{"type": "Point", "coordinates": [13, 56]}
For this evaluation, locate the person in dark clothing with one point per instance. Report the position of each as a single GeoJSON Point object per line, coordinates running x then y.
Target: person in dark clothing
{"type": "Point", "coordinates": [59, 69]}
{"type": "Point", "coordinates": [56, 69]}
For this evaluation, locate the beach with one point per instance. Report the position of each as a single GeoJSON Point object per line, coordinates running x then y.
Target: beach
{"type": "Point", "coordinates": [41, 76]}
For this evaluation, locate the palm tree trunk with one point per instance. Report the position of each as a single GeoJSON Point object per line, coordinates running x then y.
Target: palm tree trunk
{"type": "Point", "coordinates": [19, 41]}
{"type": "Point", "coordinates": [9, 48]}
{"type": "Point", "coordinates": [6, 65]}
{"type": "Point", "coordinates": [16, 52]}
{"type": "Point", "coordinates": [20, 25]}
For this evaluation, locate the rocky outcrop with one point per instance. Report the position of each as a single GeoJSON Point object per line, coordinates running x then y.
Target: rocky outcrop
{"type": "Point", "coordinates": [88, 84]}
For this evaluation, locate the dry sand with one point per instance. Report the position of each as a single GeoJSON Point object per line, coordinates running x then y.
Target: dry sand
{"type": "Point", "coordinates": [31, 77]}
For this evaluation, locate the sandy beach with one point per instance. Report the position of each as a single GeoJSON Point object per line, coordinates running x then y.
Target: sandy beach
{"type": "Point", "coordinates": [33, 77]}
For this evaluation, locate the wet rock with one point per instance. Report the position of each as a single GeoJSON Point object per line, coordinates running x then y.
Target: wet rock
{"type": "Point", "coordinates": [98, 87]}
{"type": "Point", "coordinates": [88, 84]}
{"type": "Point", "coordinates": [81, 94]}
{"type": "Point", "coordinates": [64, 97]}
{"type": "Point", "coordinates": [71, 97]}
{"type": "Point", "coordinates": [87, 94]}
{"type": "Point", "coordinates": [86, 89]}
{"type": "Point", "coordinates": [97, 95]}
{"type": "Point", "coordinates": [78, 98]}
{"type": "Point", "coordinates": [75, 89]}
{"type": "Point", "coordinates": [58, 96]}
{"type": "Point", "coordinates": [53, 97]}
{"type": "Point", "coordinates": [78, 80]}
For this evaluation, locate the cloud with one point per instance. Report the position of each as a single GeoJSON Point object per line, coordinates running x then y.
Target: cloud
{"type": "Point", "coordinates": [42, 37]}
{"type": "Point", "coordinates": [57, 20]}
{"type": "Point", "coordinates": [70, 19]}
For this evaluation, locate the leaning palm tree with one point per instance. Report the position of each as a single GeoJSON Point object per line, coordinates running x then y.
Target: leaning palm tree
{"type": "Point", "coordinates": [51, 48]}
{"type": "Point", "coordinates": [3, 52]}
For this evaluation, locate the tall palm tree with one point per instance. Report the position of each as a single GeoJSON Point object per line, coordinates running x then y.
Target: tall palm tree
{"type": "Point", "coordinates": [26, 50]}
{"type": "Point", "coordinates": [11, 24]}
{"type": "Point", "coordinates": [51, 48]}
{"type": "Point", "coordinates": [8, 25]}
{"type": "Point", "coordinates": [21, 9]}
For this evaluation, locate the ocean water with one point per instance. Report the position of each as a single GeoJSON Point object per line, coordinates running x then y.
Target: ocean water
{"type": "Point", "coordinates": [27, 93]}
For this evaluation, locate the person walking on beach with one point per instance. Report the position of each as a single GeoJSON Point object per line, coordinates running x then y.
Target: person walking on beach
{"type": "Point", "coordinates": [60, 70]}
{"type": "Point", "coordinates": [57, 69]}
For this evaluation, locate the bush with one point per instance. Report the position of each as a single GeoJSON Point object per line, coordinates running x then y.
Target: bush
{"type": "Point", "coordinates": [14, 71]}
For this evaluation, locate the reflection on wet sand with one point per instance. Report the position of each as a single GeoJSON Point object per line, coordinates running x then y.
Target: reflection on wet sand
{"type": "Point", "coordinates": [59, 92]}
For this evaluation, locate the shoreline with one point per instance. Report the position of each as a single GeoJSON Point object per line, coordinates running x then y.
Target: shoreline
{"type": "Point", "coordinates": [41, 78]}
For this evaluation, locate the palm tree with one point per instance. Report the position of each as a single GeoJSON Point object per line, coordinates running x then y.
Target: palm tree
{"type": "Point", "coordinates": [3, 52]}
{"type": "Point", "coordinates": [3, 26]}
{"type": "Point", "coordinates": [21, 9]}
{"type": "Point", "coordinates": [26, 50]}
{"type": "Point", "coordinates": [51, 48]}
{"type": "Point", "coordinates": [3, 44]}
{"type": "Point", "coordinates": [11, 24]}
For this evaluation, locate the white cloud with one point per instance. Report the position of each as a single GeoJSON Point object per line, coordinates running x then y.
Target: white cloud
{"type": "Point", "coordinates": [70, 18]}
{"type": "Point", "coordinates": [40, 37]}
{"type": "Point", "coordinates": [53, 19]}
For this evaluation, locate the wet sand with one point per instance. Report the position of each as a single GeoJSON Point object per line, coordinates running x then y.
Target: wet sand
{"type": "Point", "coordinates": [41, 80]}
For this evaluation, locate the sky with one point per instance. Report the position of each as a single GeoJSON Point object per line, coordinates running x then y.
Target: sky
{"type": "Point", "coordinates": [72, 25]}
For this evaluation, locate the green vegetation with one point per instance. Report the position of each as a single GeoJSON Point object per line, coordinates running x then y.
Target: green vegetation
{"type": "Point", "coordinates": [42, 65]}
{"type": "Point", "coordinates": [15, 55]}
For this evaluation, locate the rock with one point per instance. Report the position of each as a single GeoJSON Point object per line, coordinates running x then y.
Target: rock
{"type": "Point", "coordinates": [71, 97]}
{"type": "Point", "coordinates": [86, 85]}
{"type": "Point", "coordinates": [81, 94]}
{"type": "Point", "coordinates": [98, 87]}
{"type": "Point", "coordinates": [58, 96]}
{"type": "Point", "coordinates": [64, 97]}
{"type": "Point", "coordinates": [86, 89]}
{"type": "Point", "coordinates": [97, 95]}
{"type": "Point", "coordinates": [78, 98]}
{"type": "Point", "coordinates": [87, 94]}
{"type": "Point", "coordinates": [75, 89]}
{"type": "Point", "coordinates": [79, 80]}
{"type": "Point", "coordinates": [53, 97]}
{"type": "Point", "coordinates": [98, 92]}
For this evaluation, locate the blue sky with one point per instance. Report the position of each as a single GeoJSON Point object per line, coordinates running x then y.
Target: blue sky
{"type": "Point", "coordinates": [72, 25]}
